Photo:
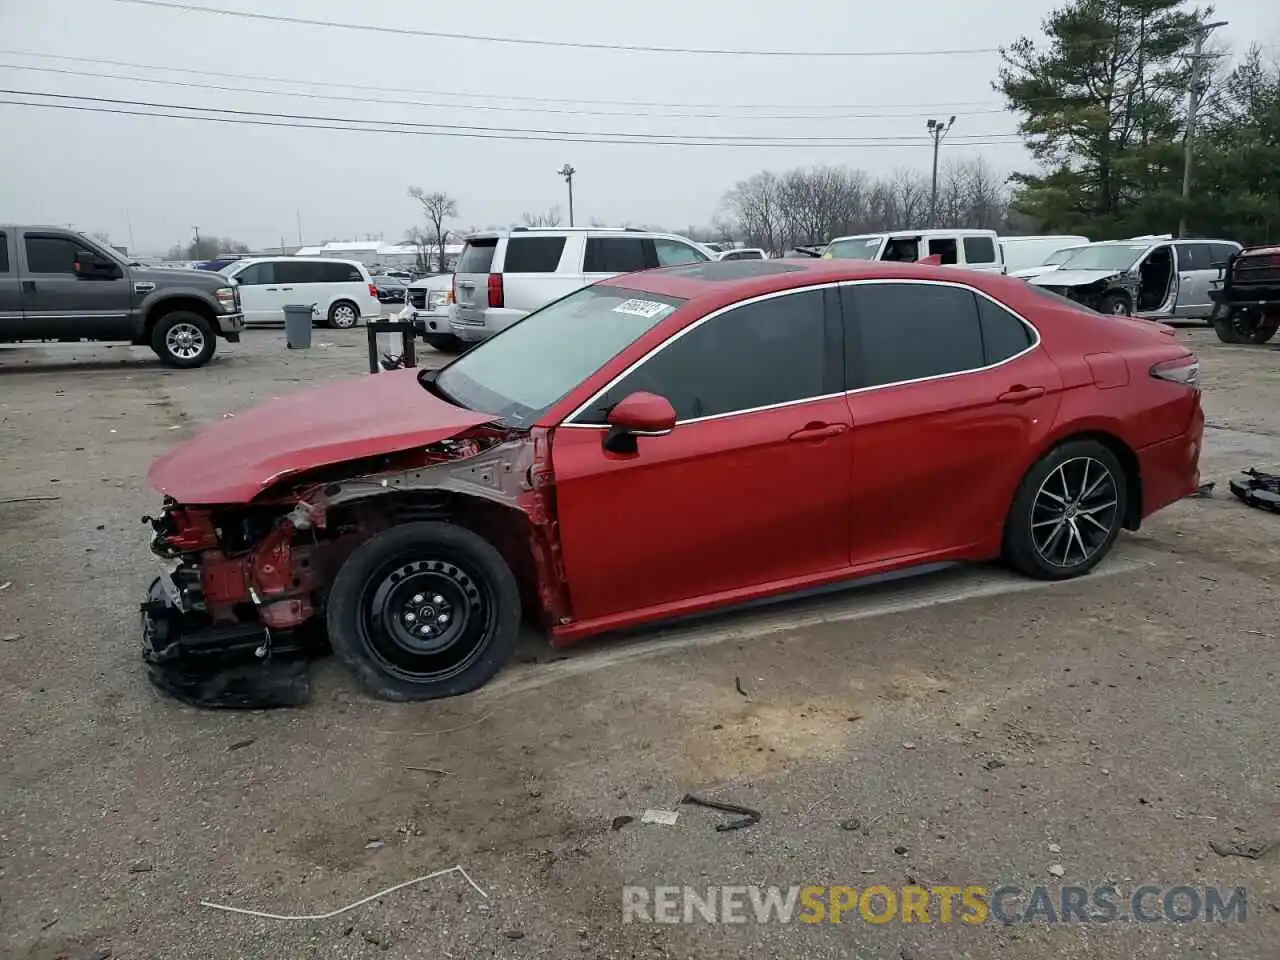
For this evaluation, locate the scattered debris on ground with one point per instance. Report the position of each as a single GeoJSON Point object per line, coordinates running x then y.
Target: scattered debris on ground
{"type": "Point", "coordinates": [748, 816]}
{"type": "Point", "coordinates": [1249, 849]}
{"type": "Point", "coordinates": [667, 818]}
{"type": "Point", "coordinates": [1258, 489]}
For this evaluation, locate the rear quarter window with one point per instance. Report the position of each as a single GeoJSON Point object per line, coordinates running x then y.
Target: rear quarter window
{"type": "Point", "coordinates": [979, 250]}
{"type": "Point", "coordinates": [4, 252]}
{"type": "Point", "coordinates": [341, 273]}
{"type": "Point", "coordinates": [532, 255]}
{"type": "Point", "coordinates": [477, 255]}
{"type": "Point", "coordinates": [1003, 334]}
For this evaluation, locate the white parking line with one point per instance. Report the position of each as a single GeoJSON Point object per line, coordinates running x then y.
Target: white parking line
{"type": "Point", "coordinates": [901, 596]}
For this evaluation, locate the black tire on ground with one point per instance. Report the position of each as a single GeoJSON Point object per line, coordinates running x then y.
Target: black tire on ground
{"type": "Point", "coordinates": [1067, 512]}
{"type": "Point", "coordinates": [1117, 304]}
{"type": "Point", "coordinates": [343, 315]}
{"type": "Point", "coordinates": [1265, 331]}
{"type": "Point", "coordinates": [1231, 325]}
{"type": "Point", "coordinates": [424, 611]}
{"type": "Point", "coordinates": [183, 339]}
{"type": "Point", "coordinates": [444, 342]}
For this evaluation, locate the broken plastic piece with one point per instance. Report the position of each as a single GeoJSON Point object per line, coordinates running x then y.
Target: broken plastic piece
{"type": "Point", "coordinates": [665, 817]}
{"type": "Point", "coordinates": [1258, 489]}
{"type": "Point", "coordinates": [748, 815]}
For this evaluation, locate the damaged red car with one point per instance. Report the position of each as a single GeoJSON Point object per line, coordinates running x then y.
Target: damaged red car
{"type": "Point", "coordinates": [658, 445]}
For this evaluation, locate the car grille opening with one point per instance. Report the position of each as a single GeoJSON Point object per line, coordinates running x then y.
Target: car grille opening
{"type": "Point", "coordinates": [418, 298]}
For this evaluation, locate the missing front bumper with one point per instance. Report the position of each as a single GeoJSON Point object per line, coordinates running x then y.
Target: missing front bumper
{"type": "Point", "coordinates": [233, 666]}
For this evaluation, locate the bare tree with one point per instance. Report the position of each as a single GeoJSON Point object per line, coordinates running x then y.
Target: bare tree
{"type": "Point", "coordinates": [421, 241]}
{"type": "Point", "coordinates": [551, 218]}
{"type": "Point", "coordinates": [438, 207]}
{"type": "Point", "coordinates": [756, 210]}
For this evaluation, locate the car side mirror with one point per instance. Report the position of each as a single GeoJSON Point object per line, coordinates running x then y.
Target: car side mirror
{"type": "Point", "coordinates": [94, 266]}
{"type": "Point", "coordinates": [638, 414]}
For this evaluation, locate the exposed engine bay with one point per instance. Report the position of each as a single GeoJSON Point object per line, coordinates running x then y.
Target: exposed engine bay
{"type": "Point", "coordinates": [243, 604]}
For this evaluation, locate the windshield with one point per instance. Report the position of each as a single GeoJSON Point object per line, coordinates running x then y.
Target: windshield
{"type": "Point", "coordinates": [855, 248]}
{"type": "Point", "coordinates": [523, 371]}
{"type": "Point", "coordinates": [1105, 256]}
{"type": "Point", "coordinates": [1058, 256]}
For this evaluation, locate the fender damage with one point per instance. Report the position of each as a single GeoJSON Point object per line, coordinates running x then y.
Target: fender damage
{"type": "Point", "coordinates": [241, 609]}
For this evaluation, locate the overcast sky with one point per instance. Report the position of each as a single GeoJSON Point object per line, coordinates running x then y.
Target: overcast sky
{"type": "Point", "coordinates": [148, 181]}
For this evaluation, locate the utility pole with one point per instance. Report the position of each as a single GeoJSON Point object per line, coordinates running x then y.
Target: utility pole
{"type": "Point", "coordinates": [196, 249]}
{"type": "Point", "coordinates": [567, 172]}
{"type": "Point", "coordinates": [1198, 57]}
{"type": "Point", "coordinates": [937, 130]}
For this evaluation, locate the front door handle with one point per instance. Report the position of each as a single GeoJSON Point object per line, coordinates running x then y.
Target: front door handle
{"type": "Point", "coordinates": [1020, 394]}
{"type": "Point", "coordinates": [819, 431]}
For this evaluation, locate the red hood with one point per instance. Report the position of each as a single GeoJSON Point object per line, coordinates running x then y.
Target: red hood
{"type": "Point", "coordinates": [235, 459]}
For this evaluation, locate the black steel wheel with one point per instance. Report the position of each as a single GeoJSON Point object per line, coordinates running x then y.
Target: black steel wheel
{"type": "Point", "coordinates": [1237, 324]}
{"type": "Point", "coordinates": [1116, 304]}
{"type": "Point", "coordinates": [1067, 513]}
{"type": "Point", "coordinates": [423, 611]}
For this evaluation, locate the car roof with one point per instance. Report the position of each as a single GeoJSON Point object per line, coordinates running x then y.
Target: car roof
{"type": "Point", "coordinates": [709, 286]}
{"type": "Point", "coordinates": [931, 232]}
{"type": "Point", "coordinates": [350, 263]}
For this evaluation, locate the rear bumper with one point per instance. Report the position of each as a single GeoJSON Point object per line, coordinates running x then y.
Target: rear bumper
{"type": "Point", "coordinates": [1170, 469]}
{"type": "Point", "coordinates": [491, 322]}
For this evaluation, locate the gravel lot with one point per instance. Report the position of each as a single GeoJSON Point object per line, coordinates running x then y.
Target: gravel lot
{"type": "Point", "coordinates": [971, 720]}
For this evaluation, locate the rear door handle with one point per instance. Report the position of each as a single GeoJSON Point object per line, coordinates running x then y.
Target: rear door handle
{"type": "Point", "coordinates": [1021, 394]}
{"type": "Point", "coordinates": [819, 431]}
{"type": "Point", "coordinates": [28, 286]}
{"type": "Point", "coordinates": [273, 289]}
{"type": "Point", "coordinates": [286, 289]}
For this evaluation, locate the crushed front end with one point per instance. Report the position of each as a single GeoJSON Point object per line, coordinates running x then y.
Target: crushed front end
{"type": "Point", "coordinates": [231, 623]}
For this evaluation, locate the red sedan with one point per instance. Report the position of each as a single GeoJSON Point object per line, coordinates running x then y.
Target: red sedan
{"type": "Point", "coordinates": [662, 444]}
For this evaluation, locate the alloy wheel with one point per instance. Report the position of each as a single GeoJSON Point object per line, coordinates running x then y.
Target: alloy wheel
{"type": "Point", "coordinates": [1075, 512]}
{"type": "Point", "coordinates": [344, 316]}
{"type": "Point", "coordinates": [184, 341]}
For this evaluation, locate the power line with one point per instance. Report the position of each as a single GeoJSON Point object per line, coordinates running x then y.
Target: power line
{"type": "Point", "coordinates": [249, 121]}
{"type": "Point", "coordinates": [608, 136]}
{"type": "Point", "coordinates": [470, 106]}
{"type": "Point", "coordinates": [573, 44]}
{"type": "Point", "coordinates": [935, 107]}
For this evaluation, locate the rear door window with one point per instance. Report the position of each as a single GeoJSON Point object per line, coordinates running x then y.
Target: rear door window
{"type": "Point", "coordinates": [898, 332]}
{"type": "Point", "coordinates": [765, 353]}
{"type": "Point", "coordinates": [533, 254]}
{"type": "Point", "coordinates": [615, 255]}
{"type": "Point", "coordinates": [299, 271]}
{"type": "Point", "coordinates": [4, 252]}
{"type": "Point", "coordinates": [1194, 256]}
{"type": "Point", "coordinates": [477, 255]}
{"type": "Point", "coordinates": [945, 247]}
{"type": "Point", "coordinates": [979, 250]}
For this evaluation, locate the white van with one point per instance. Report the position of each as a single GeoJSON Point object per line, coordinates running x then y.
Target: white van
{"type": "Point", "coordinates": [971, 249]}
{"type": "Point", "coordinates": [1023, 253]}
{"type": "Point", "coordinates": [341, 290]}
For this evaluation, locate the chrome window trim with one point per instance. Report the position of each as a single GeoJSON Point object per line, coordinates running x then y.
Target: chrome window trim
{"type": "Point", "coordinates": [582, 408]}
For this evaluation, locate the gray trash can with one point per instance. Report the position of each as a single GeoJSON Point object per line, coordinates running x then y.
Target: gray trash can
{"type": "Point", "coordinates": [297, 325]}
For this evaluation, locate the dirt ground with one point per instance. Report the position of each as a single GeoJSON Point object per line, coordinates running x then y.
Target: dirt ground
{"type": "Point", "coordinates": [981, 729]}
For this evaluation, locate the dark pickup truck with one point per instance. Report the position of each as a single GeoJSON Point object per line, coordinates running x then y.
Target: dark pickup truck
{"type": "Point", "coordinates": [57, 284]}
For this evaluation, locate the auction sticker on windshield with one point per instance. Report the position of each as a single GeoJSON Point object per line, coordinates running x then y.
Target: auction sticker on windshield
{"type": "Point", "coordinates": [643, 308]}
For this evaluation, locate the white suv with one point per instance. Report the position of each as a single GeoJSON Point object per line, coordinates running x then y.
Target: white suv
{"type": "Point", "coordinates": [505, 275]}
{"type": "Point", "coordinates": [341, 290]}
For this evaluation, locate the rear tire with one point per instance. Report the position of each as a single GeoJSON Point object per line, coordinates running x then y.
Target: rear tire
{"type": "Point", "coordinates": [1240, 325]}
{"type": "Point", "coordinates": [183, 340]}
{"type": "Point", "coordinates": [343, 315]}
{"type": "Point", "coordinates": [1067, 512]}
{"type": "Point", "coordinates": [444, 342]}
{"type": "Point", "coordinates": [424, 611]}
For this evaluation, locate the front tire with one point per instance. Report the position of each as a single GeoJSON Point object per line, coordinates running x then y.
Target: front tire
{"type": "Point", "coordinates": [343, 315]}
{"type": "Point", "coordinates": [184, 340]}
{"type": "Point", "coordinates": [424, 611]}
{"type": "Point", "coordinates": [1116, 304]}
{"type": "Point", "coordinates": [1067, 512]}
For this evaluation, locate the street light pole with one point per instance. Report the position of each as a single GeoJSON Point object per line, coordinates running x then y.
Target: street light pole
{"type": "Point", "coordinates": [1193, 107]}
{"type": "Point", "coordinates": [196, 248]}
{"type": "Point", "coordinates": [567, 172]}
{"type": "Point", "coordinates": [937, 130]}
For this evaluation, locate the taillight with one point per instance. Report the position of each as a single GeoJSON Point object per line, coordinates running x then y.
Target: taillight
{"type": "Point", "coordinates": [495, 290]}
{"type": "Point", "coordinates": [373, 290]}
{"type": "Point", "coordinates": [453, 288]}
{"type": "Point", "coordinates": [1183, 370]}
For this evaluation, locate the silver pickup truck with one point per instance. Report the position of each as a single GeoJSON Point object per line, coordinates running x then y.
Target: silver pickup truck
{"type": "Point", "coordinates": [57, 284]}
